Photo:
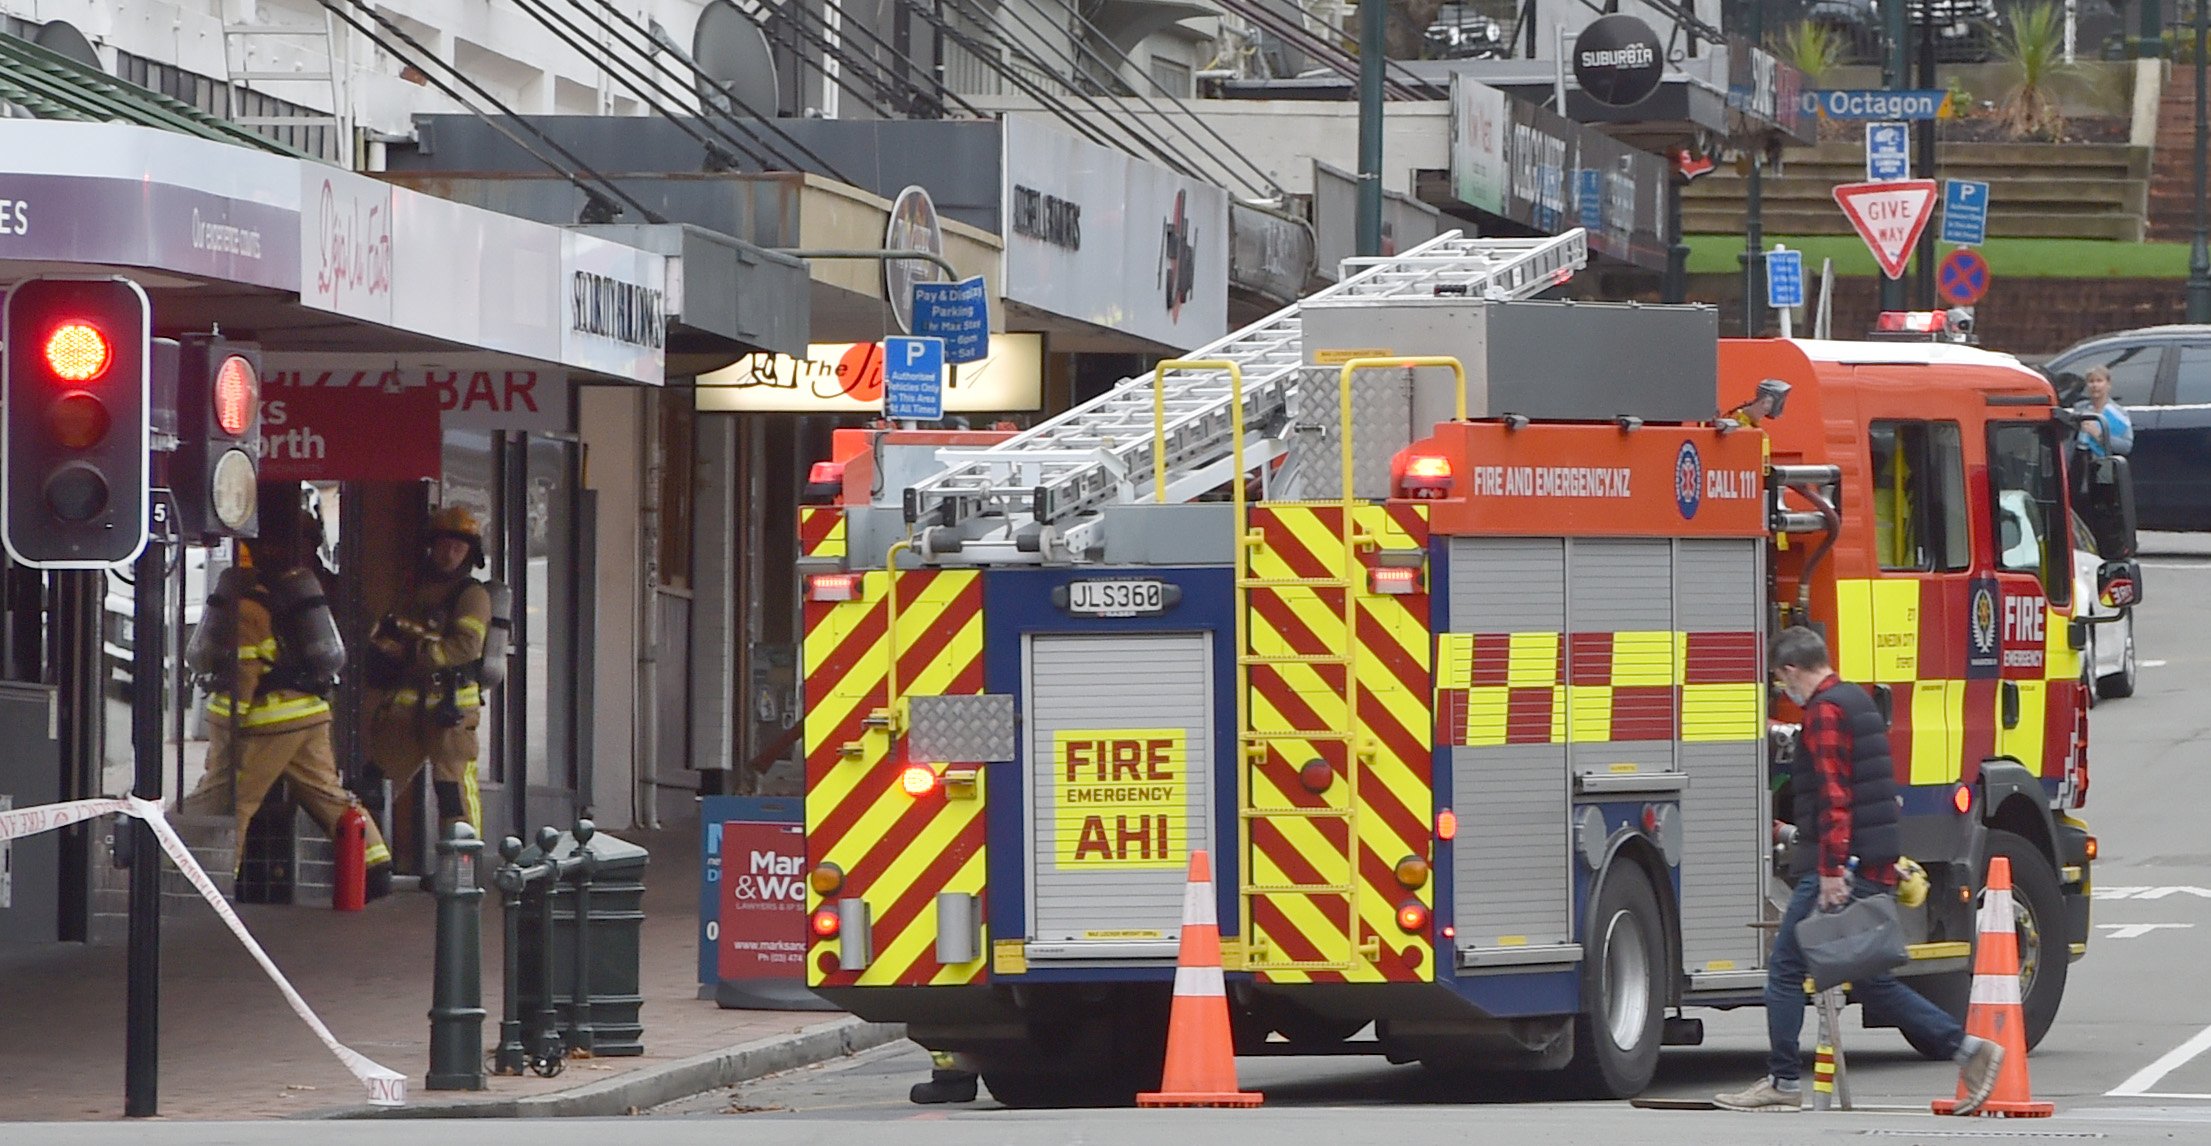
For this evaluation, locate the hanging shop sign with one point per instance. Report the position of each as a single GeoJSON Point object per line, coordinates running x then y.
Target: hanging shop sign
{"type": "Point", "coordinates": [1095, 235]}
{"type": "Point", "coordinates": [1618, 60]}
{"type": "Point", "coordinates": [473, 391]}
{"type": "Point", "coordinates": [324, 433]}
{"type": "Point", "coordinates": [1527, 164]}
{"type": "Point", "coordinates": [847, 377]}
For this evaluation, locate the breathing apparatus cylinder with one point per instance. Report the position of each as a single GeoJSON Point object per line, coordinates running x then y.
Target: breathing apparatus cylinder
{"type": "Point", "coordinates": [212, 650]}
{"type": "Point", "coordinates": [306, 631]}
{"type": "Point", "coordinates": [498, 636]}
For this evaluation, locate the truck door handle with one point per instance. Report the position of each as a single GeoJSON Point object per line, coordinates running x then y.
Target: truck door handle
{"type": "Point", "coordinates": [2011, 704]}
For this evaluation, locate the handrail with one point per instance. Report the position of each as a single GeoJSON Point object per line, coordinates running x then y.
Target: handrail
{"type": "Point", "coordinates": [894, 712]}
{"type": "Point", "coordinates": [1159, 416]}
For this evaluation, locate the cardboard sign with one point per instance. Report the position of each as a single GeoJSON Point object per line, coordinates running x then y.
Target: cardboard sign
{"type": "Point", "coordinates": [763, 902]}
{"type": "Point", "coordinates": [315, 433]}
{"type": "Point", "coordinates": [1122, 798]}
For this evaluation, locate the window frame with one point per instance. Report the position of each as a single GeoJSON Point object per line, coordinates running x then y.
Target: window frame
{"type": "Point", "coordinates": [2055, 571]}
{"type": "Point", "coordinates": [1935, 451]}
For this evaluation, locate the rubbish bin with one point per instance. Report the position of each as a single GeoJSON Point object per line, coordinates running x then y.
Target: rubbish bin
{"type": "Point", "coordinates": [617, 937]}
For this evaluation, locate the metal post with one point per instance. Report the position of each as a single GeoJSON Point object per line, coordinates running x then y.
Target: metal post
{"type": "Point", "coordinates": [1676, 285]}
{"type": "Point", "coordinates": [1754, 259]}
{"type": "Point", "coordinates": [2199, 255]}
{"type": "Point", "coordinates": [1893, 77]}
{"type": "Point", "coordinates": [2150, 30]}
{"type": "Point", "coordinates": [548, 1038]}
{"type": "Point", "coordinates": [512, 1057]}
{"type": "Point", "coordinates": [457, 991]}
{"type": "Point", "coordinates": [142, 1001]}
{"type": "Point", "coordinates": [582, 1038]}
{"type": "Point", "coordinates": [1373, 22]}
{"type": "Point", "coordinates": [1926, 164]}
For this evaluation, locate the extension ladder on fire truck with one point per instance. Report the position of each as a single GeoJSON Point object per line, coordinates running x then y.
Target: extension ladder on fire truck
{"type": "Point", "coordinates": [1039, 493]}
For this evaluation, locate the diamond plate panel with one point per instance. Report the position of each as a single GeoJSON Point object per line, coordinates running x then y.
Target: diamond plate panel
{"type": "Point", "coordinates": [1381, 420]}
{"type": "Point", "coordinates": [960, 729]}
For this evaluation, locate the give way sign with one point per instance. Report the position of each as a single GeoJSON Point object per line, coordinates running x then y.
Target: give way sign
{"type": "Point", "coordinates": [1889, 216]}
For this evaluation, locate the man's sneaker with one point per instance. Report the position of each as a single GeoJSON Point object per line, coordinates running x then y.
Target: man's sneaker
{"type": "Point", "coordinates": [1762, 1097]}
{"type": "Point", "coordinates": [1977, 1074]}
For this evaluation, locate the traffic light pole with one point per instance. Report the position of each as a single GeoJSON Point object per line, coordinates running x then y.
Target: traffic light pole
{"type": "Point", "coordinates": [1894, 75]}
{"type": "Point", "coordinates": [142, 1014]}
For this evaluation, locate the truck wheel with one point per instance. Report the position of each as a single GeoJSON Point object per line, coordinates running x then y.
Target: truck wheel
{"type": "Point", "coordinates": [2120, 684]}
{"type": "Point", "coordinates": [2045, 952]}
{"type": "Point", "coordinates": [1624, 969]}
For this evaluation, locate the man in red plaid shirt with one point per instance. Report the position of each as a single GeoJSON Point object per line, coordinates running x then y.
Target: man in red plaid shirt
{"type": "Point", "coordinates": [1846, 813]}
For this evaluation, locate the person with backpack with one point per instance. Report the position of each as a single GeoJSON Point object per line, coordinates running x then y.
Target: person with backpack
{"type": "Point", "coordinates": [270, 654]}
{"type": "Point", "coordinates": [428, 671]}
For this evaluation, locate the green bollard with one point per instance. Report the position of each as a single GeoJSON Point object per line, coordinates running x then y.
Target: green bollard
{"type": "Point", "coordinates": [457, 990]}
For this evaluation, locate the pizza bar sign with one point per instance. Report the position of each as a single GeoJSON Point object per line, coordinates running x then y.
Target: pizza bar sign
{"type": "Point", "coordinates": [471, 395]}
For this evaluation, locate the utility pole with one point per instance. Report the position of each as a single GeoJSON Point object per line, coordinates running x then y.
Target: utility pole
{"type": "Point", "coordinates": [1373, 26]}
{"type": "Point", "coordinates": [1926, 163]}
{"type": "Point", "coordinates": [2199, 256]}
{"type": "Point", "coordinates": [1754, 188]}
{"type": "Point", "coordinates": [1893, 73]}
{"type": "Point", "coordinates": [142, 990]}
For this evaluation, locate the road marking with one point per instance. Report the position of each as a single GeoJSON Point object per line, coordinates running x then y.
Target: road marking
{"type": "Point", "coordinates": [2139, 1084]}
{"type": "Point", "coordinates": [2149, 892]}
{"type": "Point", "coordinates": [2176, 565]}
{"type": "Point", "coordinates": [2149, 664]}
{"type": "Point", "coordinates": [2137, 930]}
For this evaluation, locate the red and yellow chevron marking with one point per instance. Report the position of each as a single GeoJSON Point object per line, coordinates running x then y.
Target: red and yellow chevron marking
{"type": "Point", "coordinates": [1584, 688]}
{"type": "Point", "coordinates": [821, 531]}
{"type": "Point", "coordinates": [897, 852]}
{"type": "Point", "coordinates": [1287, 843]}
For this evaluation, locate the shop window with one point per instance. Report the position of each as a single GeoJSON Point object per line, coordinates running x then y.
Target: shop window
{"type": "Point", "coordinates": [1919, 509]}
{"type": "Point", "coordinates": [678, 492]}
{"type": "Point", "coordinates": [2031, 535]}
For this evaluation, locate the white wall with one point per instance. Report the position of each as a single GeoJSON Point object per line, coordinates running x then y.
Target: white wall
{"type": "Point", "coordinates": [499, 44]}
{"type": "Point", "coordinates": [610, 420]}
{"type": "Point", "coordinates": [1283, 137]}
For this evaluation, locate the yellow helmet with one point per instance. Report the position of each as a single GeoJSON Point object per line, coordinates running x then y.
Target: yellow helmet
{"type": "Point", "coordinates": [458, 521]}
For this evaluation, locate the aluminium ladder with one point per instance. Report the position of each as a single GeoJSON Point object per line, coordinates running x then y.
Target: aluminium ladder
{"type": "Point", "coordinates": [1041, 491]}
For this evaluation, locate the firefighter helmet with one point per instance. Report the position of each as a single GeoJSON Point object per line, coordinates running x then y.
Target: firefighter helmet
{"type": "Point", "coordinates": [456, 521]}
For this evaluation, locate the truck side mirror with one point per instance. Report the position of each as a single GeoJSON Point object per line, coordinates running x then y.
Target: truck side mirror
{"type": "Point", "coordinates": [2119, 583]}
{"type": "Point", "coordinates": [1884, 702]}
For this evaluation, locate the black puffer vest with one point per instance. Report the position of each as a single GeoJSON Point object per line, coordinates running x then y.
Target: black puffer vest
{"type": "Point", "coordinates": [1874, 837]}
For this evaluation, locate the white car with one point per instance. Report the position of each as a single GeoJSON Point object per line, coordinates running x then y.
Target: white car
{"type": "Point", "coordinates": [2108, 665]}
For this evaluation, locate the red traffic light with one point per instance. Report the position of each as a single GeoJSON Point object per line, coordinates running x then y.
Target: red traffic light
{"type": "Point", "coordinates": [76, 351]}
{"type": "Point", "coordinates": [237, 389]}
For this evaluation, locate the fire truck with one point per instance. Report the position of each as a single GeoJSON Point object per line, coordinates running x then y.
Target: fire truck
{"type": "Point", "coordinates": [1434, 611]}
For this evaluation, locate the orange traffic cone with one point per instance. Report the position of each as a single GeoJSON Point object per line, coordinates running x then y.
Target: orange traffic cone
{"type": "Point", "coordinates": [1995, 1013]}
{"type": "Point", "coordinates": [1201, 1056]}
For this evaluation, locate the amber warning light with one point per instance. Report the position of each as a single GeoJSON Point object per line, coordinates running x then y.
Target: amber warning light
{"type": "Point", "coordinates": [77, 352]}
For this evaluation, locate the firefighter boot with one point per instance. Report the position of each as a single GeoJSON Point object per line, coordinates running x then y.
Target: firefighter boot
{"type": "Point", "coordinates": [378, 882]}
{"type": "Point", "coordinates": [944, 1086]}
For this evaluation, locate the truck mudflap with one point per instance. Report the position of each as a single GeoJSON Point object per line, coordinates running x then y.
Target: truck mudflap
{"type": "Point", "coordinates": [2076, 851]}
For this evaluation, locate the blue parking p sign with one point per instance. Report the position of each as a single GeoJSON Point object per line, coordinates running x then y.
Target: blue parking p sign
{"type": "Point", "coordinates": [913, 378]}
{"type": "Point", "coordinates": [1964, 212]}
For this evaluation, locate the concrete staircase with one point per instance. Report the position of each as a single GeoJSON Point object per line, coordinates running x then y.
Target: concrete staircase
{"type": "Point", "coordinates": [2172, 177]}
{"type": "Point", "coordinates": [307, 858]}
{"type": "Point", "coordinates": [2078, 191]}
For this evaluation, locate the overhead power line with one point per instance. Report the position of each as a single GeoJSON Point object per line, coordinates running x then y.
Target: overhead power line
{"type": "Point", "coordinates": [598, 207]}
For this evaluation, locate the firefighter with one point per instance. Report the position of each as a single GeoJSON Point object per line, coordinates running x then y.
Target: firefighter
{"type": "Point", "coordinates": [428, 671]}
{"type": "Point", "coordinates": [272, 656]}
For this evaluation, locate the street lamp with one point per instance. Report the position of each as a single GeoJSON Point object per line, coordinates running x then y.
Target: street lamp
{"type": "Point", "coordinates": [2199, 255]}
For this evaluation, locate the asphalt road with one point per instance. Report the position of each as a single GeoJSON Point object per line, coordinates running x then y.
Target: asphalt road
{"type": "Point", "coordinates": [2129, 1059]}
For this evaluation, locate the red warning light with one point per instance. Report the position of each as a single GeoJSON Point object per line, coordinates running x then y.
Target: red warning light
{"type": "Point", "coordinates": [77, 352]}
{"type": "Point", "coordinates": [236, 391]}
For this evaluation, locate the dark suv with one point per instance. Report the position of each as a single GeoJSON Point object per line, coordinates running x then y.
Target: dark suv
{"type": "Point", "coordinates": [2162, 375]}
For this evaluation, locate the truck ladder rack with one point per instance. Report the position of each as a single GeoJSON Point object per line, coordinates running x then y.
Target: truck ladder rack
{"type": "Point", "coordinates": [1055, 478]}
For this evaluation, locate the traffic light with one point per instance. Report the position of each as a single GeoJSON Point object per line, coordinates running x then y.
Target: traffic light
{"type": "Point", "coordinates": [75, 375]}
{"type": "Point", "coordinates": [218, 458]}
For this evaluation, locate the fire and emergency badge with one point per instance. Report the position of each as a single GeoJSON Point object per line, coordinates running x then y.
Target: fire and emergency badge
{"type": "Point", "coordinates": [1688, 480]}
{"type": "Point", "coordinates": [1983, 655]}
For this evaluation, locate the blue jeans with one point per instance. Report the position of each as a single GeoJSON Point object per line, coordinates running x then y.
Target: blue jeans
{"type": "Point", "coordinates": [1785, 991]}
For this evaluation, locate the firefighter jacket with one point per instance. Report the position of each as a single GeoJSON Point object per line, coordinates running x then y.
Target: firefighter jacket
{"type": "Point", "coordinates": [451, 616]}
{"type": "Point", "coordinates": [260, 697]}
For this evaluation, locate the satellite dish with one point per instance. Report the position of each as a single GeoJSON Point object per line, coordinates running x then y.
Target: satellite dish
{"type": "Point", "coordinates": [63, 38]}
{"type": "Point", "coordinates": [733, 60]}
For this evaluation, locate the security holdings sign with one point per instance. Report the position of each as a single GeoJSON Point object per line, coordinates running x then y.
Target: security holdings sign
{"type": "Point", "coordinates": [1889, 216]}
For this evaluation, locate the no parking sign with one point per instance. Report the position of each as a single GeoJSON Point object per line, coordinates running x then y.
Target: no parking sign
{"type": "Point", "coordinates": [1962, 280]}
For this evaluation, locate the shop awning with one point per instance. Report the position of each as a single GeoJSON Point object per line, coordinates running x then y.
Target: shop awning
{"type": "Point", "coordinates": [50, 85]}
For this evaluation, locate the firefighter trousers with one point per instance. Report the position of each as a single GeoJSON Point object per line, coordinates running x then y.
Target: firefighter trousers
{"type": "Point", "coordinates": [302, 757]}
{"type": "Point", "coordinates": [402, 737]}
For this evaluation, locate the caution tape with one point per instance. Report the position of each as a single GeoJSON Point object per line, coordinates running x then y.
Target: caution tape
{"type": "Point", "coordinates": [386, 1087]}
